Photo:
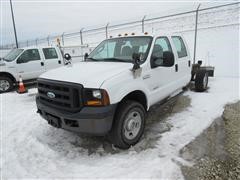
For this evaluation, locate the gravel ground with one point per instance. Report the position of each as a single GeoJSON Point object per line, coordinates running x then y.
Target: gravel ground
{"type": "Point", "coordinates": [216, 152]}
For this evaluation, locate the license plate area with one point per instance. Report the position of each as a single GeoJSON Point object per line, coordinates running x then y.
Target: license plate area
{"type": "Point", "coordinates": [54, 121]}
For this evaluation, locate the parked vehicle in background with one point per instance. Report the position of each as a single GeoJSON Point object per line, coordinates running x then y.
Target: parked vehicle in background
{"type": "Point", "coordinates": [110, 93]}
{"type": "Point", "coordinates": [28, 63]}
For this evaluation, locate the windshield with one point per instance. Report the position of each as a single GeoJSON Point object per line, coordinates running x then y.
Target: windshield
{"type": "Point", "coordinates": [121, 49]}
{"type": "Point", "coordinates": [12, 55]}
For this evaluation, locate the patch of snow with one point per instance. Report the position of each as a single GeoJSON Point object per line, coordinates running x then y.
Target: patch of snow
{"type": "Point", "coordinates": [33, 149]}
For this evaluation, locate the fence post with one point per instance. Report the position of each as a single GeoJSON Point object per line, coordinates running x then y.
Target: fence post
{"type": "Point", "coordinates": [81, 36]}
{"type": "Point", "coordinates": [36, 42]}
{"type": "Point", "coordinates": [107, 30]}
{"type": "Point", "coordinates": [27, 43]}
{"type": "Point", "coordinates": [195, 36]}
{"type": "Point", "coordinates": [48, 40]}
{"type": "Point", "coordinates": [63, 39]}
{"type": "Point", "coordinates": [143, 19]}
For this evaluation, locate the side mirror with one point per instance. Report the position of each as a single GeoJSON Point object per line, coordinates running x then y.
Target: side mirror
{"type": "Point", "coordinates": [153, 61]}
{"type": "Point", "coordinates": [136, 60]}
{"type": "Point", "coordinates": [168, 59]}
{"type": "Point", "coordinates": [67, 56]}
{"type": "Point", "coordinates": [85, 56]}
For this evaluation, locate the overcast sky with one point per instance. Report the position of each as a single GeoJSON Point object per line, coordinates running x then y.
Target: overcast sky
{"type": "Point", "coordinates": [37, 19]}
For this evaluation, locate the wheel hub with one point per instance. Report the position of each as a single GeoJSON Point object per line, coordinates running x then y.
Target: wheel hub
{"type": "Point", "coordinates": [132, 125]}
{"type": "Point", "coordinates": [4, 85]}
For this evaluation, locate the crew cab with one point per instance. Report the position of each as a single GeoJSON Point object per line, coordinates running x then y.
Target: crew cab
{"type": "Point", "coordinates": [28, 63]}
{"type": "Point", "coordinates": [112, 90]}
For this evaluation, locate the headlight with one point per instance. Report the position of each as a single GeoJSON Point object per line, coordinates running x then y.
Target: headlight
{"type": "Point", "coordinates": [97, 94]}
{"type": "Point", "coordinates": [95, 97]}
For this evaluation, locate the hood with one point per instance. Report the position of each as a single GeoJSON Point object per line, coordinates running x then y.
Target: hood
{"type": "Point", "coordinates": [2, 63]}
{"type": "Point", "coordinates": [89, 74]}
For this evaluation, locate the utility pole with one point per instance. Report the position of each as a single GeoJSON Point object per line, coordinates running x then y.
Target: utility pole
{"type": "Point", "coordinates": [14, 27]}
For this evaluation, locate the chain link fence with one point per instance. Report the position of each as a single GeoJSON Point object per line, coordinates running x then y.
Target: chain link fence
{"type": "Point", "coordinates": [212, 35]}
{"type": "Point", "coordinates": [179, 22]}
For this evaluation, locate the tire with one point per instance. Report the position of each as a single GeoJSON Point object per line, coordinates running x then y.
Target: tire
{"type": "Point", "coordinates": [129, 118]}
{"type": "Point", "coordinates": [201, 81]}
{"type": "Point", "coordinates": [6, 84]}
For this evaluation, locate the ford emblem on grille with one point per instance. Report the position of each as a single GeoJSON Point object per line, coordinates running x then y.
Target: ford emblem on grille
{"type": "Point", "coordinates": [51, 95]}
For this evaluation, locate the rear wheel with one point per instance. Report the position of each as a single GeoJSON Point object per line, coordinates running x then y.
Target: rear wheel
{"type": "Point", "coordinates": [6, 84]}
{"type": "Point", "coordinates": [201, 81]}
{"type": "Point", "coordinates": [128, 124]}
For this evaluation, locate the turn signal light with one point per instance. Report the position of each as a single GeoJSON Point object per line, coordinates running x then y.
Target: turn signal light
{"type": "Point", "coordinates": [94, 103]}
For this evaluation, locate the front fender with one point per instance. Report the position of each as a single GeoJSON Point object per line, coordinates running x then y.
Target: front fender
{"type": "Point", "coordinates": [120, 86]}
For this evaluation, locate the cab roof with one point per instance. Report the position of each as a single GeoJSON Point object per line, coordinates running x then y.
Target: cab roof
{"type": "Point", "coordinates": [38, 47]}
{"type": "Point", "coordinates": [144, 34]}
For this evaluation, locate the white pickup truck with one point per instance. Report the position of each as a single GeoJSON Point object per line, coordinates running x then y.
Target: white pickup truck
{"type": "Point", "coordinates": [28, 63]}
{"type": "Point", "coordinates": [111, 91]}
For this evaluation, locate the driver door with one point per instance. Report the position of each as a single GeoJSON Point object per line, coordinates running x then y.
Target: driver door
{"type": "Point", "coordinates": [30, 64]}
{"type": "Point", "coordinates": [160, 79]}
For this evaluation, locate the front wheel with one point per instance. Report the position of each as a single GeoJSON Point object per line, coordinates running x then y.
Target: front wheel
{"type": "Point", "coordinates": [6, 84]}
{"type": "Point", "coordinates": [128, 124]}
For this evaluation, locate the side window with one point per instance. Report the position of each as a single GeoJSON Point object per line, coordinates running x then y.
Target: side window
{"type": "Point", "coordinates": [180, 46]}
{"type": "Point", "coordinates": [50, 53]}
{"type": "Point", "coordinates": [30, 55]}
{"type": "Point", "coordinates": [161, 45]}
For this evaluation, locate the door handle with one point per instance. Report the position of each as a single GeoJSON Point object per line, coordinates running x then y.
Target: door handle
{"type": "Point", "coordinates": [176, 67]}
{"type": "Point", "coordinates": [42, 63]}
{"type": "Point", "coordinates": [59, 62]}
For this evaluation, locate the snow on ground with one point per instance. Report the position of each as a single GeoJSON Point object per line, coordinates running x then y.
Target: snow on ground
{"type": "Point", "coordinates": [33, 149]}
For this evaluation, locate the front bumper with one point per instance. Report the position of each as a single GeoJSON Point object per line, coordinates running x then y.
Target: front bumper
{"type": "Point", "coordinates": [90, 120]}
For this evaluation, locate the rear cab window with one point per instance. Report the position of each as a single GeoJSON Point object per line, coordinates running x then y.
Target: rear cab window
{"type": "Point", "coordinates": [50, 53]}
{"type": "Point", "coordinates": [180, 46]}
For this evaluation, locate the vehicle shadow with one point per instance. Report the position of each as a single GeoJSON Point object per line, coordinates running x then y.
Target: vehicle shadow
{"type": "Point", "coordinates": [71, 144]}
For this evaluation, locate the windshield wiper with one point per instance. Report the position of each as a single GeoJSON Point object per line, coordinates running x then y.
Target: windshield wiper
{"type": "Point", "coordinates": [91, 59]}
{"type": "Point", "coordinates": [115, 59]}
{"type": "Point", "coordinates": [109, 59]}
